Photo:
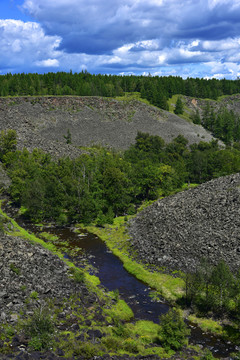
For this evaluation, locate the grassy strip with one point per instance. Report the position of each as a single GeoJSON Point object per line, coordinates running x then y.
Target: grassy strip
{"type": "Point", "coordinates": [130, 96]}
{"type": "Point", "coordinates": [228, 331]}
{"type": "Point", "coordinates": [186, 110]}
{"type": "Point", "coordinates": [171, 288]}
{"type": "Point", "coordinates": [120, 311]}
{"type": "Point", "coordinates": [207, 325]}
{"type": "Point", "coordinates": [116, 238]}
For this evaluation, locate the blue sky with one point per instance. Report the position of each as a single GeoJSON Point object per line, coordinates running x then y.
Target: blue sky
{"type": "Point", "coordinates": [195, 38]}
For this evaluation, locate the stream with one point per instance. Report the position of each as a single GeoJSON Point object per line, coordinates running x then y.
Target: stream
{"type": "Point", "coordinates": [113, 276]}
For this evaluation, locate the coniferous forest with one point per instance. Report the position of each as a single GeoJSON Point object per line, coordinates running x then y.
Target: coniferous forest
{"type": "Point", "coordinates": [157, 90]}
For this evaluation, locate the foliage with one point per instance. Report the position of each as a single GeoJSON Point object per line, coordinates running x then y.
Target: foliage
{"type": "Point", "coordinates": [85, 349]}
{"type": "Point", "coordinates": [78, 275]}
{"type": "Point", "coordinates": [155, 89]}
{"type": "Point", "coordinates": [173, 332]}
{"type": "Point", "coordinates": [207, 355]}
{"type": "Point", "coordinates": [214, 288]}
{"type": "Point", "coordinates": [34, 295]}
{"type": "Point", "coordinates": [224, 124]}
{"type": "Point", "coordinates": [120, 311]}
{"type": "Point", "coordinates": [8, 142]}
{"type": "Point", "coordinates": [102, 184]}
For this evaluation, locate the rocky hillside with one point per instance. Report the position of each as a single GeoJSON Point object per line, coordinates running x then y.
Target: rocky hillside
{"type": "Point", "coordinates": [231, 102]}
{"type": "Point", "coordinates": [44, 121]}
{"type": "Point", "coordinates": [176, 232]}
{"type": "Point", "coordinates": [27, 269]}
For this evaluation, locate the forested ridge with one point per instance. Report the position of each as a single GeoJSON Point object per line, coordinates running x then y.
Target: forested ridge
{"type": "Point", "coordinates": [224, 124]}
{"type": "Point", "coordinates": [157, 90]}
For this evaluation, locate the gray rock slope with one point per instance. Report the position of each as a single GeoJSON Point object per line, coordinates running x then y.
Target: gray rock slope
{"type": "Point", "coordinates": [26, 268]}
{"type": "Point", "coordinates": [44, 121]}
{"type": "Point", "coordinates": [176, 232]}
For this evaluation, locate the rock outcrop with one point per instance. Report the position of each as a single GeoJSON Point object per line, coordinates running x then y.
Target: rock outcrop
{"type": "Point", "coordinates": [5, 181]}
{"type": "Point", "coordinates": [176, 232]}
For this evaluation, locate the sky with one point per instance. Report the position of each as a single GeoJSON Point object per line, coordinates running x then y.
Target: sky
{"type": "Point", "coordinates": [190, 38]}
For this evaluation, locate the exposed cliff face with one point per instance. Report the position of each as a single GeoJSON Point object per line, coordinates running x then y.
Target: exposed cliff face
{"type": "Point", "coordinates": [44, 121]}
{"type": "Point", "coordinates": [176, 232]}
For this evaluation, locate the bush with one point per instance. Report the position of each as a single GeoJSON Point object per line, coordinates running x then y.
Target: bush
{"type": "Point", "coordinates": [173, 330]}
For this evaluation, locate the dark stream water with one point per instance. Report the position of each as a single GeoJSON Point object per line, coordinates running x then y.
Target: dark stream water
{"type": "Point", "coordinates": [113, 276]}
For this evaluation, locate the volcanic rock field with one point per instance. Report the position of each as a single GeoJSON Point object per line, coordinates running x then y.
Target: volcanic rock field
{"type": "Point", "coordinates": [44, 121]}
{"type": "Point", "coordinates": [202, 222]}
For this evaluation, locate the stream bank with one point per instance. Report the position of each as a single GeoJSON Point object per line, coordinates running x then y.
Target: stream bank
{"type": "Point", "coordinates": [134, 331]}
{"type": "Point", "coordinates": [87, 322]}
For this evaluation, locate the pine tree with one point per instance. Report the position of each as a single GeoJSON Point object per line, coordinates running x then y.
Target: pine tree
{"type": "Point", "coordinates": [178, 107]}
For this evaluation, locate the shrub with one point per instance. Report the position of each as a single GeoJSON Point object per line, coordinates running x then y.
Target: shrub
{"type": "Point", "coordinates": [112, 343]}
{"type": "Point", "coordinates": [173, 330]}
{"type": "Point", "coordinates": [34, 295]}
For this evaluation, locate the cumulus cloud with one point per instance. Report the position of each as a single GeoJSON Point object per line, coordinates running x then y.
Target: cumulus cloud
{"type": "Point", "coordinates": [187, 38]}
{"type": "Point", "coordinates": [23, 44]}
{"type": "Point", "coordinates": [97, 27]}
{"type": "Point", "coordinates": [48, 63]}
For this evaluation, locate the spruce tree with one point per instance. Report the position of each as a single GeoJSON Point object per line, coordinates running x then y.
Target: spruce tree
{"type": "Point", "coordinates": [178, 107]}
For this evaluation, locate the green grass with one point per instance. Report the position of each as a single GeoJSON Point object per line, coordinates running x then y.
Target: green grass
{"type": "Point", "coordinates": [186, 110]}
{"type": "Point", "coordinates": [171, 288]}
{"type": "Point", "coordinates": [48, 236]}
{"type": "Point", "coordinates": [120, 311]}
{"type": "Point", "coordinates": [147, 331]}
{"type": "Point", "coordinates": [207, 324]}
{"type": "Point", "coordinates": [130, 96]}
{"type": "Point", "coordinates": [229, 331]}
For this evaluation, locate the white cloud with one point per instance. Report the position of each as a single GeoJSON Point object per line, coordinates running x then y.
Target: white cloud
{"type": "Point", "coordinates": [189, 38]}
{"type": "Point", "coordinates": [24, 44]}
{"type": "Point", "coordinates": [222, 45]}
{"type": "Point", "coordinates": [48, 63]}
{"type": "Point", "coordinates": [231, 3]}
